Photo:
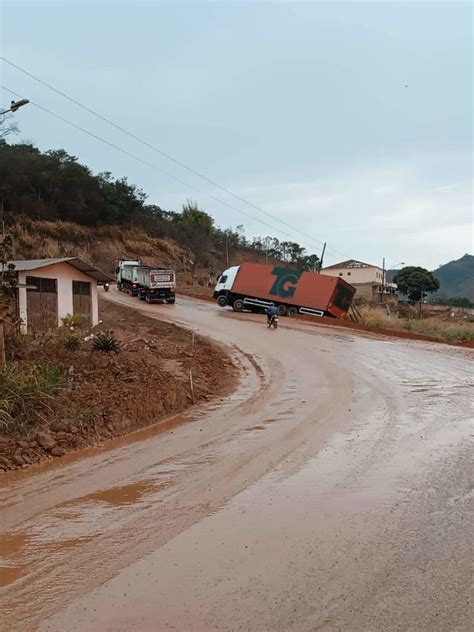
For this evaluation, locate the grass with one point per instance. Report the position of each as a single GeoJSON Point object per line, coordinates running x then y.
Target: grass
{"type": "Point", "coordinates": [27, 393]}
{"type": "Point", "coordinates": [436, 327]}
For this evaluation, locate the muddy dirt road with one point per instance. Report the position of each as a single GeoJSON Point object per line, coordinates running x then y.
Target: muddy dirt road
{"type": "Point", "coordinates": [330, 492]}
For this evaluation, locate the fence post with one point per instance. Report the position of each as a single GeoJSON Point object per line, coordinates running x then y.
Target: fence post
{"type": "Point", "coordinates": [191, 384]}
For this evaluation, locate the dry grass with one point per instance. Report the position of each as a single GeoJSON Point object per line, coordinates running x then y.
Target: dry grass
{"type": "Point", "coordinates": [27, 394]}
{"type": "Point", "coordinates": [435, 327]}
{"type": "Point", "coordinates": [101, 246]}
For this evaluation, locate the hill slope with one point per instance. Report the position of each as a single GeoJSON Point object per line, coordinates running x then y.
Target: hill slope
{"type": "Point", "coordinates": [457, 278]}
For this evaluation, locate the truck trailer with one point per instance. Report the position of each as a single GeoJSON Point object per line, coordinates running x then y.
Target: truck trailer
{"type": "Point", "coordinates": [254, 286]}
{"type": "Point", "coordinates": [156, 284]}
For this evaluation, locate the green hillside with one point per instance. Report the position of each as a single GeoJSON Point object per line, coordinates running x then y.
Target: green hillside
{"type": "Point", "coordinates": [457, 278]}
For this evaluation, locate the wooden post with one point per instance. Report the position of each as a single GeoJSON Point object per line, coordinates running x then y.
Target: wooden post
{"type": "Point", "coordinates": [383, 281]}
{"type": "Point", "coordinates": [3, 360]}
{"type": "Point", "coordinates": [191, 384]}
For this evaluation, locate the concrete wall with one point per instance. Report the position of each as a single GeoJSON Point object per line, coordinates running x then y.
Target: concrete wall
{"type": "Point", "coordinates": [65, 274]}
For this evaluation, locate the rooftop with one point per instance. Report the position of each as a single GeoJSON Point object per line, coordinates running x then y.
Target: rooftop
{"type": "Point", "coordinates": [26, 265]}
{"type": "Point", "coordinates": [351, 263]}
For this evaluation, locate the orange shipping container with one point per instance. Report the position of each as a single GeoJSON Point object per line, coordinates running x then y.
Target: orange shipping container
{"type": "Point", "coordinates": [308, 291]}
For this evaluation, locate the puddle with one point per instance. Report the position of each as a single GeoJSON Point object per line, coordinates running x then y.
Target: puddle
{"type": "Point", "coordinates": [12, 543]}
{"type": "Point", "coordinates": [9, 574]}
{"type": "Point", "coordinates": [125, 495]}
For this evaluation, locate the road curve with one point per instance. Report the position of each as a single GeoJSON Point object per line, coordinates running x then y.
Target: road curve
{"type": "Point", "coordinates": [329, 492]}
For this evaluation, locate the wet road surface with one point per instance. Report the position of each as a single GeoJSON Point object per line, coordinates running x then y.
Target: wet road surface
{"type": "Point", "coordinates": [331, 491]}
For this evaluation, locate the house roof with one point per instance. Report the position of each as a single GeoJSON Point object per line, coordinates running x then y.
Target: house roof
{"type": "Point", "coordinates": [351, 263]}
{"type": "Point", "coordinates": [35, 264]}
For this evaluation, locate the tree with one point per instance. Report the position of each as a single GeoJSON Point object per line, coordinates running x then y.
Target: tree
{"type": "Point", "coordinates": [7, 128]}
{"type": "Point", "coordinates": [312, 262]}
{"type": "Point", "coordinates": [193, 217]}
{"type": "Point", "coordinates": [458, 301]}
{"type": "Point", "coordinates": [415, 282]}
{"type": "Point", "coordinates": [8, 284]}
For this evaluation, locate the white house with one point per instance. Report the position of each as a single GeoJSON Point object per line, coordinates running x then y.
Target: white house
{"type": "Point", "coordinates": [369, 280]}
{"type": "Point", "coordinates": [50, 289]}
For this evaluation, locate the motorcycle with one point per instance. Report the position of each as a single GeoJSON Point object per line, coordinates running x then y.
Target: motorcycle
{"type": "Point", "coordinates": [273, 322]}
{"type": "Point", "coordinates": [106, 287]}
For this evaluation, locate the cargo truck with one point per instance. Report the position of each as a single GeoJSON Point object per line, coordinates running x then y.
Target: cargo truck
{"type": "Point", "coordinates": [156, 284]}
{"type": "Point", "coordinates": [254, 286]}
{"type": "Point", "coordinates": [126, 271]}
{"type": "Point", "coordinates": [149, 284]}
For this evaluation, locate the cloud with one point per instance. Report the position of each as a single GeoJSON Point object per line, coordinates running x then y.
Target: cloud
{"type": "Point", "coordinates": [406, 210]}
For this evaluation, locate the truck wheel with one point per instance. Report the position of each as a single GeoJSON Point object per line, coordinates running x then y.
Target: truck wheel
{"type": "Point", "coordinates": [238, 305]}
{"type": "Point", "coordinates": [281, 310]}
{"type": "Point", "coordinates": [171, 301]}
{"type": "Point", "coordinates": [222, 300]}
{"type": "Point", "coordinates": [292, 311]}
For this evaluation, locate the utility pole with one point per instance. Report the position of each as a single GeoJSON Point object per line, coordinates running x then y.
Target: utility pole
{"type": "Point", "coordinates": [322, 258]}
{"type": "Point", "coordinates": [383, 281]}
{"type": "Point", "coordinates": [227, 251]}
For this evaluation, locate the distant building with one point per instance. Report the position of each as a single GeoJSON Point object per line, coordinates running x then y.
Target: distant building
{"type": "Point", "coordinates": [368, 280]}
{"type": "Point", "coordinates": [50, 289]}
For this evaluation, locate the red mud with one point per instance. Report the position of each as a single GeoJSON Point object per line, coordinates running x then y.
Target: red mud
{"type": "Point", "coordinates": [112, 394]}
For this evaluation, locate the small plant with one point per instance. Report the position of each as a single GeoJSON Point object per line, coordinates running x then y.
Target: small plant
{"type": "Point", "coordinates": [105, 342]}
{"type": "Point", "coordinates": [72, 341]}
{"type": "Point", "coordinates": [73, 321]}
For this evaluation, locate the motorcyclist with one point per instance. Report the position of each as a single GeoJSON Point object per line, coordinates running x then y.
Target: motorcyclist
{"type": "Point", "coordinates": [106, 287]}
{"type": "Point", "coordinates": [271, 312]}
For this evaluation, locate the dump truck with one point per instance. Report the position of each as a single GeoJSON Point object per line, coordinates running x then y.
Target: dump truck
{"type": "Point", "coordinates": [149, 284]}
{"type": "Point", "coordinates": [156, 285]}
{"type": "Point", "coordinates": [254, 286]}
{"type": "Point", "coordinates": [126, 275]}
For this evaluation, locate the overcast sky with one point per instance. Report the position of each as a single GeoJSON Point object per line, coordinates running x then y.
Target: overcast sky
{"type": "Point", "coordinates": [352, 122]}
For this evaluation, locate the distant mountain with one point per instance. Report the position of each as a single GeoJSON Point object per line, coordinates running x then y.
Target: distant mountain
{"type": "Point", "coordinates": [456, 278]}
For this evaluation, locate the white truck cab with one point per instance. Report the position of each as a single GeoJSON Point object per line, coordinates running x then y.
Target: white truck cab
{"type": "Point", "coordinates": [224, 285]}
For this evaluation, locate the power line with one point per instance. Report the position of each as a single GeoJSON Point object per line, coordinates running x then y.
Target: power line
{"type": "Point", "coordinates": [166, 155]}
{"type": "Point", "coordinates": [135, 157]}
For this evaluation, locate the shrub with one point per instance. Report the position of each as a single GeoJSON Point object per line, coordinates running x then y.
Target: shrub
{"type": "Point", "coordinates": [27, 393]}
{"type": "Point", "coordinates": [73, 321]}
{"type": "Point", "coordinates": [72, 341]}
{"type": "Point", "coordinates": [105, 342]}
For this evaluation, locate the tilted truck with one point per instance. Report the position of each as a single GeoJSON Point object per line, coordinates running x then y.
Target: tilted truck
{"type": "Point", "coordinates": [149, 284]}
{"type": "Point", "coordinates": [156, 284]}
{"type": "Point", "coordinates": [254, 286]}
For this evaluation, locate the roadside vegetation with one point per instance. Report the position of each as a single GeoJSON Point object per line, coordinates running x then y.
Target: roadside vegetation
{"type": "Point", "coordinates": [27, 395]}
{"type": "Point", "coordinates": [54, 186]}
{"type": "Point", "coordinates": [439, 328]}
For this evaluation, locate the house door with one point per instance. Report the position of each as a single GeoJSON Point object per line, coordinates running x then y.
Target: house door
{"type": "Point", "coordinates": [82, 301]}
{"type": "Point", "coordinates": [41, 304]}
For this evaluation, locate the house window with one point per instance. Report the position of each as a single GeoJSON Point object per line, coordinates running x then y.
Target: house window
{"type": "Point", "coordinates": [41, 284]}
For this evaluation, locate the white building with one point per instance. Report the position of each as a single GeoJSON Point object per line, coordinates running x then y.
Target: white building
{"type": "Point", "coordinates": [50, 289]}
{"type": "Point", "coordinates": [369, 280]}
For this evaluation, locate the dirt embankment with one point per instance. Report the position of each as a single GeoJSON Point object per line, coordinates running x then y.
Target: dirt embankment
{"type": "Point", "coordinates": [111, 394]}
